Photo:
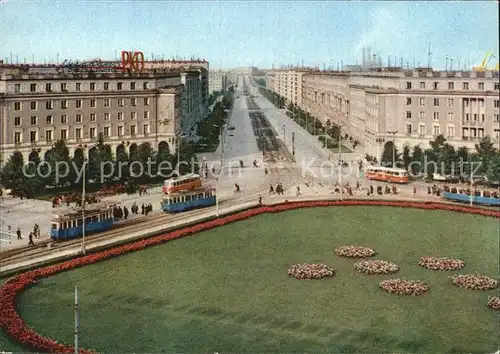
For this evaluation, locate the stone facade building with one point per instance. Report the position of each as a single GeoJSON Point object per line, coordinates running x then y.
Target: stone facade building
{"type": "Point", "coordinates": [218, 81]}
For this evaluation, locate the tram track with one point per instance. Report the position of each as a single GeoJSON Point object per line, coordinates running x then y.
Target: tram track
{"type": "Point", "coordinates": [41, 249]}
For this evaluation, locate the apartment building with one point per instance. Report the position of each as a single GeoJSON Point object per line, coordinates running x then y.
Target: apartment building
{"type": "Point", "coordinates": [217, 81]}
{"type": "Point", "coordinates": [411, 107]}
{"type": "Point", "coordinates": [288, 83]}
{"type": "Point", "coordinates": [38, 109]}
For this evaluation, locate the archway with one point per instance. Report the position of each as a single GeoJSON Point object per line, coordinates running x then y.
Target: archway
{"type": "Point", "coordinates": [79, 154]}
{"type": "Point", "coordinates": [34, 156]}
{"type": "Point", "coordinates": [47, 155]}
{"type": "Point", "coordinates": [120, 150]}
{"type": "Point", "coordinates": [163, 147]}
{"type": "Point", "coordinates": [133, 149]}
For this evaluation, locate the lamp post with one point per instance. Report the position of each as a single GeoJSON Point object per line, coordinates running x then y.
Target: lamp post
{"type": "Point", "coordinates": [380, 142]}
{"type": "Point", "coordinates": [179, 140]}
{"type": "Point", "coordinates": [84, 166]}
{"type": "Point", "coordinates": [340, 163]}
{"type": "Point", "coordinates": [393, 133]}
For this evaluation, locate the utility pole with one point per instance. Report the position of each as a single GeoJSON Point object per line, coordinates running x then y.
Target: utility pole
{"type": "Point", "coordinates": [393, 133]}
{"type": "Point", "coordinates": [340, 164]}
{"type": "Point", "coordinates": [83, 206]}
{"type": "Point", "coordinates": [77, 320]}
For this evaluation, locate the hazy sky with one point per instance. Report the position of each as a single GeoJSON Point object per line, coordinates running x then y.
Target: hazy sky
{"type": "Point", "coordinates": [242, 33]}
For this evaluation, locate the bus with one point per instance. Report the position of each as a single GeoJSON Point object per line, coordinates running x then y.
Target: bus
{"type": "Point", "coordinates": [182, 183]}
{"type": "Point", "coordinates": [387, 174]}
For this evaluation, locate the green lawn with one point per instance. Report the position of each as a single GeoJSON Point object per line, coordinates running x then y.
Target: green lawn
{"type": "Point", "coordinates": [227, 290]}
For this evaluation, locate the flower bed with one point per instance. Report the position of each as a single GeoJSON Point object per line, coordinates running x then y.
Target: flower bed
{"type": "Point", "coordinates": [17, 329]}
{"type": "Point", "coordinates": [376, 267]}
{"type": "Point", "coordinates": [475, 282]}
{"type": "Point", "coordinates": [354, 251]}
{"type": "Point", "coordinates": [404, 287]}
{"type": "Point", "coordinates": [443, 263]}
{"type": "Point", "coordinates": [311, 271]}
{"type": "Point", "coordinates": [494, 302]}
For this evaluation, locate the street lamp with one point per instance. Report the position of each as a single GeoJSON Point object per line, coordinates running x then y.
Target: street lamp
{"type": "Point", "coordinates": [221, 127]}
{"type": "Point", "coordinates": [340, 163]}
{"type": "Point", "coordinates": [393, 133]}
{"type": "Point", "coordinates": [83, 204]}
{"type": "Point", "coordinates": [380, 141]}
{"type": "Point", "coordinates": [179, 139]}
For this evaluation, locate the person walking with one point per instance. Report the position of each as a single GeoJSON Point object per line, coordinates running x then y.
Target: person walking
{"type": "Point", "coordinates": [18, 232]}
{"type": "Point", "coordinates": [31, 243]}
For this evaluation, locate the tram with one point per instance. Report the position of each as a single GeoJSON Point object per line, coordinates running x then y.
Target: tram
{"type": "Point", "coordinates": [480, 197]}
{"type": "Point", "coordinates": [67, 224]}
{"type": "Point", "coordinates": [387, 174]}
{"type": "Point", "coordinates": [182, 183]}
{"type": "Point", "coordinates": [198, 198]}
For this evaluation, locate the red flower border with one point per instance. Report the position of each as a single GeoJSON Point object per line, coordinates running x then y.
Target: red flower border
{"type": "Point", "coordinates": [16, 328]}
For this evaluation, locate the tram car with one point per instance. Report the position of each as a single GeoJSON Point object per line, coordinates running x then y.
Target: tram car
{"type": "Point", "coordinates": [182, 183]}
{"type": "Point", "coordinates": [195, 199]}
{"type": "Point", "coordinates": [480, 197]}
{"type": "Point", "coordinates": [387, 174]}
{"type": "Point", "coordinates": [67, 224]}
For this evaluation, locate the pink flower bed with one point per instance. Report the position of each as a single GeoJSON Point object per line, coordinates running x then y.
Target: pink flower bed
{"type": "Point", "coordinates": [443, 263]}
{"type": "Point", "coordinates": [354, 251]}
{"type": "Point", "coordinates": [494, 302]}
{"type": "Point", "coordinates": [475, 282]}
{"type": "Point", "coordinates": [404, 287]}
{"type": "Point", "coordinates": [310, 271]}
{"type": "Point", "coordinates": [376, 267]}
{"type": "Point", "coordinates": [17, 329]}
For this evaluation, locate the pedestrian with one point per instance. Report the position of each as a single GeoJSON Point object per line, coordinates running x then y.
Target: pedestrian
{"type": "Point", "coordinates": [260, 200]}
{"type": "Point", "coordinates": [414, 189]}
{"type": "Point", "coordinates": [36, 231]}
{"type": "Point", "coordinates": [18, 232]}
{"type": "Point", "coordinates": [125, 212]}
{"type": "Point", "coordinates": [298, 191]}
{"type": "Point", "coordinates": [150, 207]}
{"type": "Point", "coordinates": [31, 243]}
{"type": "Point", "coordinates": [142, 209]}
{"type": "Point", "coordinates": [271, 189]}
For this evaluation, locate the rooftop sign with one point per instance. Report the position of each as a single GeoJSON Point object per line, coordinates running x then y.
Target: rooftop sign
{"type": "Point", "coordinates": [130, 62]}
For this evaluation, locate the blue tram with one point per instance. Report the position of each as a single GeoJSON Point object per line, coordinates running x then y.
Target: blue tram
{"type": "Point", "coordinates": [67, 225]}
{"type": "Point", "coordinates": [482, 197]}
{"type": "Point", "coordinates": [198, 198]}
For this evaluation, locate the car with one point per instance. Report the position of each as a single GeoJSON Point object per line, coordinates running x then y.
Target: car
{"type": "Point", "coordinates": [231, 127]}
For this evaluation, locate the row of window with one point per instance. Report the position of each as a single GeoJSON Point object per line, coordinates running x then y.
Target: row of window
{"type": "Point", "coordinates": [92, 133]}
{"type": "Point", "coordinates": [49, 104]}
{"type": "Point", "coordinates": [79, 118]}
{"type": "Point", "coordinates": [450, 101]}
{"type": "Point", "coordinates": [451, 85]}
{"type": "Point", "coordinates": [450, 131]}
{"type": "Point", "coordinates": [65, 87]}
{"type": "Point", "coordinates": [474, 117]}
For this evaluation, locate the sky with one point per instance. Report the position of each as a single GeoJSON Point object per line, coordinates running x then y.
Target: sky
{"type": "Point", "coordinates": [251, 33]}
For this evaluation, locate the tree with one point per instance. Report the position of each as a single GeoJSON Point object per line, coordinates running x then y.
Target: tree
{"type": "Point", "coordinates": [146, 157]}
{"type": "Point", "coordinates": [406, 156]}
{"type": "Point", "coordinates": [100, 164]}
{"type": "Point", "coordinates": [493, 172]}
{"type": "Point", "coordinates": [122, 164]}
{"type": "Point", "coordinates": [12, 173]}
{"type": "Point", "coordinates": [59, 161]}
{"type": "Point", "coordinates": [417, 159]}
{"type": "Point", "coordinates": [389, 154]}
{"type": "Point", "coordinates": [34, 183]}
{"type": "Point", "coordinates": [486, 151]}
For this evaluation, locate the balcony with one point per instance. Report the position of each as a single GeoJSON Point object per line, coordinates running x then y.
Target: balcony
{"type": "Point", "coordinates": [472, 122]}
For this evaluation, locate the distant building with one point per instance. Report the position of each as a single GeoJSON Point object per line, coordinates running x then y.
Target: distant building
{"type": "Point", "coordinates": [217, 81]}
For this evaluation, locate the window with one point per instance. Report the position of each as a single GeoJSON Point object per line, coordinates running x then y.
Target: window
{"type": "Point", "coordinates": [106, 102]}
{"type": "Point", "coordinates": [421, 101]}
{"type": "Point", "coordinates": [33, 138]}
{"type": "Point", "coordinates": [33, 105]}
{"type": "Point", "coordinates": [435, 130]}
{"type": "Point", "coordinates": [466, 117]}
{"type": "Point", "coordinates": [64, 134]}
{"type": "Point", "coordinates": [482, 117]}
{"type": "Point", "coordinates": [146, 115]}
{"type": "Point", "coordinates": [133, 101]}
{"type": "Point", "coordinates": [49, 104]}
{"type": "Point", "coordinates": [450, 102]}
{"type": "Point", "coordinates": [145, 85]}
{"type": "Point", "coordinates": [421, 129]}
{"type": "Point", "coordinates": [106, 116]}
{"type": "Point", "coordinates": [465, 85]}
{"type": "Point", "coordinates": [32, 87]}
{"type": "Point", "coordinates": [92, 117]}
{"type": "Point", "coordinates": [132, 130]}
{"type": "Point", "coordinates": [422, 85]}
{"type": "Point", "coordinates": [120, 130]}
{"type": "Point", "coordinates": [132, 85]}
{"type": "Point", "coordinates": [119, 86]}
{"type": "Point", "coordinates": [481, 103]}
{"type": "Point", "coordinates": [408, 85]}
{"type": "Point", "coordinates": [64, 104]}
{"type": "Point", "coordinates": [64, 119]}
{"type": "Point", "coordinates": [92, 103]}
{"type": "Point", "coordinates": [92, 86]}
{"type": "Point", "coordinates": [146, 129]}
{"type": "Point", "coordinates": [496, 103]}
{"type": "Point", "coordinates": [17, 121]}
{"type": "Point", "coordinates": [17, 88]}
{"type": "Point", "coordinates": [450, 116]}
{"type": "Point", "coordinates": [408, 101]}
{"type": "Point", "coordinates": [436, 102]}
{"type": "Point", "coordinates": [475, 117]}
{"type": "Point", "coordinates": [146, 101]}
{"type": "Point", "coordinates": [436, 116]}
{"type": "Point", "coordinates": [17, 106]}
{"type": "Point", "coordinates": [105, 132]}
{"type": "Point", "coordinates": [436, 85]}
{"type": "Point", "coordinates": [17, 137]}
{"type": "Point", "coordinates": [451, 131]}
{"type": "Point", "coordinates": [78, 104]}
{"type": "Point", "coordinates": [34, 120]}
{"type": "Point", "coordinates": [496, 118]}
{"type": "Point", "coordinates": [49, 120]}
{"type": "Point", "coordinates": [408, 128]}
{"type": "Point", "coordinates": [64, 86]}
{"type": "Point", "coordinates": [78, 118]}
{"type": "Point", "coordinates": [133, 115]}
{"type": "Point", "coordinates": [92, 133]}
{"type": "Point", "coordinates": [496, 133]}
{"type": "Point", "coordinates": [48, 87]}
{"type": "Point", "coordinates": [78, 133]}
{"type": "Point", "coordinates": [106, 86]}
{"type": "Point", "coordinates": [480, 85]}
{"type": "Point", "coordinates": [78, 86]}
{"type": "Point", "coordinates": [451, 85]}
{"type": "Point", "coordinates": [408, 114]}
{"type": "Point", "coordinates": [48, 136]}
{"type": "Point", "coordinates": [120, 102]}
{"type": "Point", "coordinates": [497, 86]}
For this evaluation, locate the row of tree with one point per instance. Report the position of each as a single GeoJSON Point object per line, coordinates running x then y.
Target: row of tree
{"type": "Point", "coordinates": [328, 133]}
{"type": "Point", "coordinates": [442, 158]}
